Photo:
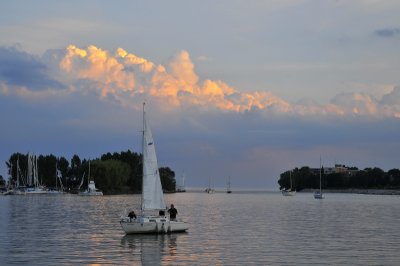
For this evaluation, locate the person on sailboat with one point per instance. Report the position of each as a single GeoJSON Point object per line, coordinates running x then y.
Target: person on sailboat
{"type": "Point", "coordinates": [132, 215]}
{"type": "Point", "coordinates": [172, 213]}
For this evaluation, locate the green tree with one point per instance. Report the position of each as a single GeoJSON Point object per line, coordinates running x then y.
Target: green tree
{"type": "Point", "coordinates": [2, 181]}
{"type": "Point", "coordinates": [394, 178]}
{"type": "Point", "coordinates": [47, 170]}
{"type": "Point", "coordinates": [110, 175]}
{"type": "Point", "coordinates": [167, 177]}
{"type": "Point", "coordinates": [134, 161]}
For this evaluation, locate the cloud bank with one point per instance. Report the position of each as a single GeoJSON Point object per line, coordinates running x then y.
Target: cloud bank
{"type": "Point", "coordinates": [127, 79]}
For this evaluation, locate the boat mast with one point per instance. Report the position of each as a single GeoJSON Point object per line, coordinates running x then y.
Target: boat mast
{"type": "Point", "coordinates": [320, 169]}
{"type": "Point", "coordinates": [56, 175]}
{"type": "Point", "coordinates": [143, 132]}
{"type": "Point", "coordinates": [36, 178]}
{"type": "Point", "coordinates": [17, 183]}
{"type": "Point", "coordinates": [88, 179]}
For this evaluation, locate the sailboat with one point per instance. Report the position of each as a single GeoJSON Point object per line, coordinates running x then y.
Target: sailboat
{"type": "Point", "coordinates": [290, 191]}
{"type": "Point", "coordinates": [228, 189]}
{"type": "Point", "coordinates": [57, 190]}
{"type": "Point", "coordinates": [318, 194]}
{"type": "Point", "coordinates": [91, 190]}
{"type": "Point", "coordinates": [152, 195]}
{"type": "Point", "coordinates": [182, 187]}
{"type": "Point", "coordinates": [209, 190]}
{"type": "Point", "coordinates": [18, 189]}
{"type": "Point", "coordinates": [32, 179]}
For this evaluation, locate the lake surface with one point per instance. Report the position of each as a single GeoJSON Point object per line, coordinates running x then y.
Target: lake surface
{"type": "Point", "coordinates": [242, 228]}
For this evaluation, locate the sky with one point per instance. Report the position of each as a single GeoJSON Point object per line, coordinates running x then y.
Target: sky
{"type": "Point", "coordinates": [239, 89]}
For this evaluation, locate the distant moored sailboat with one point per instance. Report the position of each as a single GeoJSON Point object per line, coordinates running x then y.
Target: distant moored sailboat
{"type": "Point", "coordinates": [318, 194]}
{"type": "Point", "coordinates": [228, 189]}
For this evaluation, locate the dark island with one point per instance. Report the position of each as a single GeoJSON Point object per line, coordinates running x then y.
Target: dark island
{"type": "Point", "coordinates": [116, 173]}
{"type": "Point", "coordinates": [342, 179]}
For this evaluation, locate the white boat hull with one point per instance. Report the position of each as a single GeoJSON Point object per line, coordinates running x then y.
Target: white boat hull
{"type": "Point", "coordinates": [288, 193]}
{"type": "Point", "coordinates": [95, 193]}
{"type": "Point", "coordinates": [16, 192]}
{"type": "Point", "coordinates": [318, 195]}
{"type": "Point", "coordinates": [55, 192]}
{"type": "Point", "coordinates": [152, 225]}
{"type": "Point", "coordinates": [35, 190]}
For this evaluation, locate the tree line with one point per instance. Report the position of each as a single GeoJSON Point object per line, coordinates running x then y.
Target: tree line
{"type": "Point", "coordinates": [113, 173]}
{"type": "Point", "coordinates": [369, 178]}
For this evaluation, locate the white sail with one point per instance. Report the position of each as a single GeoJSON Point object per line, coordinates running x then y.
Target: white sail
{"type": "Point", "coordinates": [152, 196]}
{"type": "Point", "coordinates": [83, 178]}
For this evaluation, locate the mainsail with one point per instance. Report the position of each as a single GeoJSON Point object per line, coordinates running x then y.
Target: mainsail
{"type": "Point", "coordinates": [152, 195]}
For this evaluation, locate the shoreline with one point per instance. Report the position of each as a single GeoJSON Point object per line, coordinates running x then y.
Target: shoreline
{"type": "Point", "coordinates": [358, 191]}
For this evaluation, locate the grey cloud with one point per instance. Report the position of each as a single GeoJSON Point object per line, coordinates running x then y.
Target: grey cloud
{"type": "Point", "coordinates": [19, 68]}
{"type": "Point", "coordinates": [387, 32]}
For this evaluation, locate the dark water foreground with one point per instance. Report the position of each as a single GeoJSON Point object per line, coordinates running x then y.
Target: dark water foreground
{"type": "Point", "coordinates": [226, 229]}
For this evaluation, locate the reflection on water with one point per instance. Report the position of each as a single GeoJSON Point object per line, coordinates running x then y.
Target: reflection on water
{"type": "Point", "coordinates": [225, 229]}
{"type": "Point", "coordinates": [152, 249]}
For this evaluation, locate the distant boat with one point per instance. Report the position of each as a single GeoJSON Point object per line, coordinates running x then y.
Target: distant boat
{"type": "Point", "coordinates": [318, 194]}
{"type": "Point", "coordinates": [182, 188]}
{"type": "Point", "coordinates": [91, 190]}
{"type": "Point", "coordinates": [32, 178]}
{"type": "Point", "coordinates": [290, 191]}
{"type": "Point", "coordinates": [228, 188]}
{"type": "Point", "coordinates": [152, 196]}
{"type": "Point", "coordinates": [209, 190]}
{"type": "Point", "coordinates": [57, 190]}
{"type": "Point", "coordinates": [17, 189]}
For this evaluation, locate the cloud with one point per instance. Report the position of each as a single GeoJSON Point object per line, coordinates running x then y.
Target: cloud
{"type": "Point", "coordinates": [387, 32]}
{"type": "Point", "coordinates": [18, 68]}
{"type": "Point", "coordinates": [202, 58]}
{"type": "Point", "coordinates": [356, 103]}
{"type": "Point", "coordinates": [127, 79]}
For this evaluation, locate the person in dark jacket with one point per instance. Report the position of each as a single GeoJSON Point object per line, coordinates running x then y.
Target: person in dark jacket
{"type": "Point", "coordinates": [132, 215]}
{"type": "Point", "coordinates": [172, 213]}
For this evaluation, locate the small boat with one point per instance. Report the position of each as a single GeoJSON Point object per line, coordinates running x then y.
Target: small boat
{"type": "Point", "coordinates": [91, 190]}
{"type": "Point", "coordinates": [209, 190]}
{"type": "Point", "coordinates": [56, 190]}
{"type": "Point", "coordinates": [182, 187]}
{"type": "Point", "coordinates": [318, 194]}
{"type": "Point", "coordinates": [4, 191]}
{"type": "Point", "coordinates": [152, 196]}
{"type": "Point", "coordinates": [290, 191]}
{"type": "Point", "coordinates": [228, 189]}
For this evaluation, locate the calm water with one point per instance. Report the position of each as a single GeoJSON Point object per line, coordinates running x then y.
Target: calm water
{"type": "Point", "coordinates": [226, 229]}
